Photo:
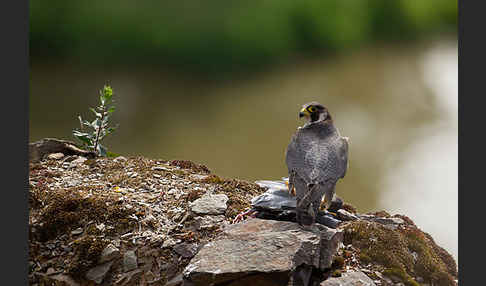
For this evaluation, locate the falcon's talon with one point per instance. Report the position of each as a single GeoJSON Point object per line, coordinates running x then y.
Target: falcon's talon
{"type": "Point", "coordinates": [241, 216]}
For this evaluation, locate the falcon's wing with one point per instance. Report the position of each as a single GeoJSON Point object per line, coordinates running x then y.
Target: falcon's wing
{"type": "Point", "coordinates": [313, 158]}
{"type": "Point", "coordinates": [344, 155]}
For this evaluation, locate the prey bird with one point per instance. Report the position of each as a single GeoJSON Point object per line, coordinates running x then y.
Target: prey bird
{"type": "Point", "coordinates": [316, 158]}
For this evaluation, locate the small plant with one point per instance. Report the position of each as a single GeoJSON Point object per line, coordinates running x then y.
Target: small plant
{"type": "Point", "coordinates": [92, 139]}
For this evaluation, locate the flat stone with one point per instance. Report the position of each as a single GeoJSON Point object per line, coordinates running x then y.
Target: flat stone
{"type": "Point", "coordinates": [210, 204]}
{"type": "Point", "coordinates": [383, 220]}
{"type": "Point", "coordinates": [344, 215]}
{"type": "Point", "coordinates": [176, 281]}
{"type": "Point", "coordinates": [109, 253]}
{"type": "Point", "coordinates": [62, 280]}
{"type": "Point", "coordinates": [350, 278]}
{"type": "Point", "coordinates": [169, 242]}
{"type": "Point", "coordinates": [129, 261]}
{"type": "Point", "coordinates": [276, 199]}
{"type": "Point", "coordinates": [209, 221]}
{"type": "Point", "coordinates": [55, 156]}
{"type": "Point", "coordinates": [77, 231]}
{"type": "Point", "coordinates": [263, 247]}
{"type": "Point", "coordinates": [278, 204]}
{"type": "Point", "coordinates": [120, 159]}
{"type": "Point", "coordinates": [98, 273]}
{"type": "Point", "coordinates": [78, 161]}
{"type": "Point", "coordinates": [186, 250]}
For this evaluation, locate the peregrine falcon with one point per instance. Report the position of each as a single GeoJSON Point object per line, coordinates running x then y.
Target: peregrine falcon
{"type": "Point", "coordinates": [316, 157]}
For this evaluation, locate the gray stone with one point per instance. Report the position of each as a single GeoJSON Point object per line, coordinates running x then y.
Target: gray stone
{"type": "Point", "coordinates": [98, 273]}
{"type": "Point", "coordinates": [61, 280]}
{"type": "Point", "coordinates": [39, 149]}
{"type": "Point", "coordinates": [129, 261]}
{"type": "Point", "coordinates": [274, 200]}
{"type": "Point", "coordinates": [350, 278]}
{"type": "Point", "coordinates": [208, 221]}
{"type": "Point", "coordinates": [120, 159]}
{"type": "Point", "coordinates": [266, 248]}
{"type": "Point", "coordinates": [169, 242]}
{"type": "Point", "coordinates": [55, 156]}
{"type": "Point", "coordinates": [77, 231]}
{"type": "Point", "coordinates": [109, 253]}
{"type": "Point", "coordinates": [186, 250]}
{"type": "Point", "coordinates": [78, 161]}
{"type": "Point", "coordinates": [176, 281]}
{"type": "Point", "coordinates": [278, 204]}
{"type": "Point", "coordinates": [210, 204]}
{"type": "Point", "coordinates": [383, 220]}
{"type": "Point", "coordinates": [344, 215]}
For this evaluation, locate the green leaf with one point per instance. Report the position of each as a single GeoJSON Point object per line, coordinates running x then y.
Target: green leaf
{"type": "Point", "coordinates": [95, 112]}
{"type": "Point", "coordinates": [111, 109]}
{"type": "Point", "coordinates": [111, 154]}
{"type": "Point", "coordinates": [96, 123]}
{"type": "Point", "coordinates": [83, 137]}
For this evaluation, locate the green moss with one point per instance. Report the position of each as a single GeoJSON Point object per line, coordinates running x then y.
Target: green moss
{"type": "Point", "coordinates": [185, 164]}
{"type": "Point", "coordinates": [69, 209]}
{"type": "Point", "coordinates": [336, 273]}
{"type": "Point", "coordinates": [365, 258]}
{"type": "Point", "coordinates": [338, 262]}
{"type": "Point", "coordinates": [212, 179]}
{"type": "Point", "coordinates": [393, 249]}
{"type": "Point", "coordinates": [87, 252]}
{"type": "Point", "coordinates": [401, 275]}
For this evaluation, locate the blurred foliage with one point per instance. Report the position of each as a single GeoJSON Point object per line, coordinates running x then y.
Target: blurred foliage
{"type": "Point", "coordinates": [224, 35]}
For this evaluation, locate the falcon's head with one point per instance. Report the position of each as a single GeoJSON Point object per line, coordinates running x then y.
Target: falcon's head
{"type": "Point", "coordinates": [314, 112]}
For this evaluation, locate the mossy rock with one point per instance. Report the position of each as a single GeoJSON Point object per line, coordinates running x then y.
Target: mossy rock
{"type": "Point", "coordinates": [405, 252]}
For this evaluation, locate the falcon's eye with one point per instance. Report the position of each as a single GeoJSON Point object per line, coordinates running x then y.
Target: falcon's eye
{"type": "Point", "coordinates": [311, 109]}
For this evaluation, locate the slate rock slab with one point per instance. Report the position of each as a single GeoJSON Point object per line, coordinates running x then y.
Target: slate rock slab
{"type": "Point", "coordinates": [350, 278]}
{"type": "Point", "coordinates": [266, 248]}
{"type": "Point", "coordinates": [210, 204]}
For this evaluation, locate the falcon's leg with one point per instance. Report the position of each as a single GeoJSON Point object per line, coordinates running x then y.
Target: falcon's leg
{"type": "Point", "coordinates": [291, 188]}
{"type": "Point", "coordinates": [306, 209]}
{"type": "Point", "coordinates": [328, 196]}
{"type": "Point", "coordinates": [290, 184]}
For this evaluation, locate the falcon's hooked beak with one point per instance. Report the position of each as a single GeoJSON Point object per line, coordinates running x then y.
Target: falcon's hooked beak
{"type": "Point", "coordinates": [304, 113]}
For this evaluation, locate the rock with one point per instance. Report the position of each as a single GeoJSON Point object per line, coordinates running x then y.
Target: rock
{"type": "Point", "coordinates": [186, 250]}
{"type": "Point", "coordinates": [327, 220]}
{"type": "Point", "coordinates": [336, 204]}
{"type": "Point", "coordinates": [78, 161]}
{"type": "Point", "coordinates": [278, 204]}
{"type": "Point", "coordinates": [61, 280]}
{"type": "Point", "coordinates": [131, 278]}
{"type": "Point", "coordinates": [344, 215]}
{"type": "Point", "coordinates": [274, 200]}
{"type": "Point", "coordinates": [176, 281]}
{"type": "Point", "coordinates": [267, 248]}
{"type": "Point", "coordinates": [208, 221]}
{"type": "Point", "coordinates": [350, 278]}
{"type": "Point", "coordinates": [109, 253]}
{"type": "Point", "coordinates": [120, 159]}
{"type": "Point", "coordinates": [55, 156]}
{"type": "Point", "coordinates": [129, 261]}
{"type": "Point", "coordinates": [169, 242]}
{"type": "Point", "coordinates": [210, 204]}
{"type": "Point", "coordinates": [39, 149]}
{"type": "Point", "coordinates": [97, 274]}
{"type": "Point", "coordinates": [383, 220]}
{"type": "Point", "coordinates": [77, 231]}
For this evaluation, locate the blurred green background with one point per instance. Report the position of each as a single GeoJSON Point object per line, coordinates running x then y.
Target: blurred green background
{"type": "Point", "coordinates": [221, 83]}
{"type": "Point", "coordinates": [217, 36]}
